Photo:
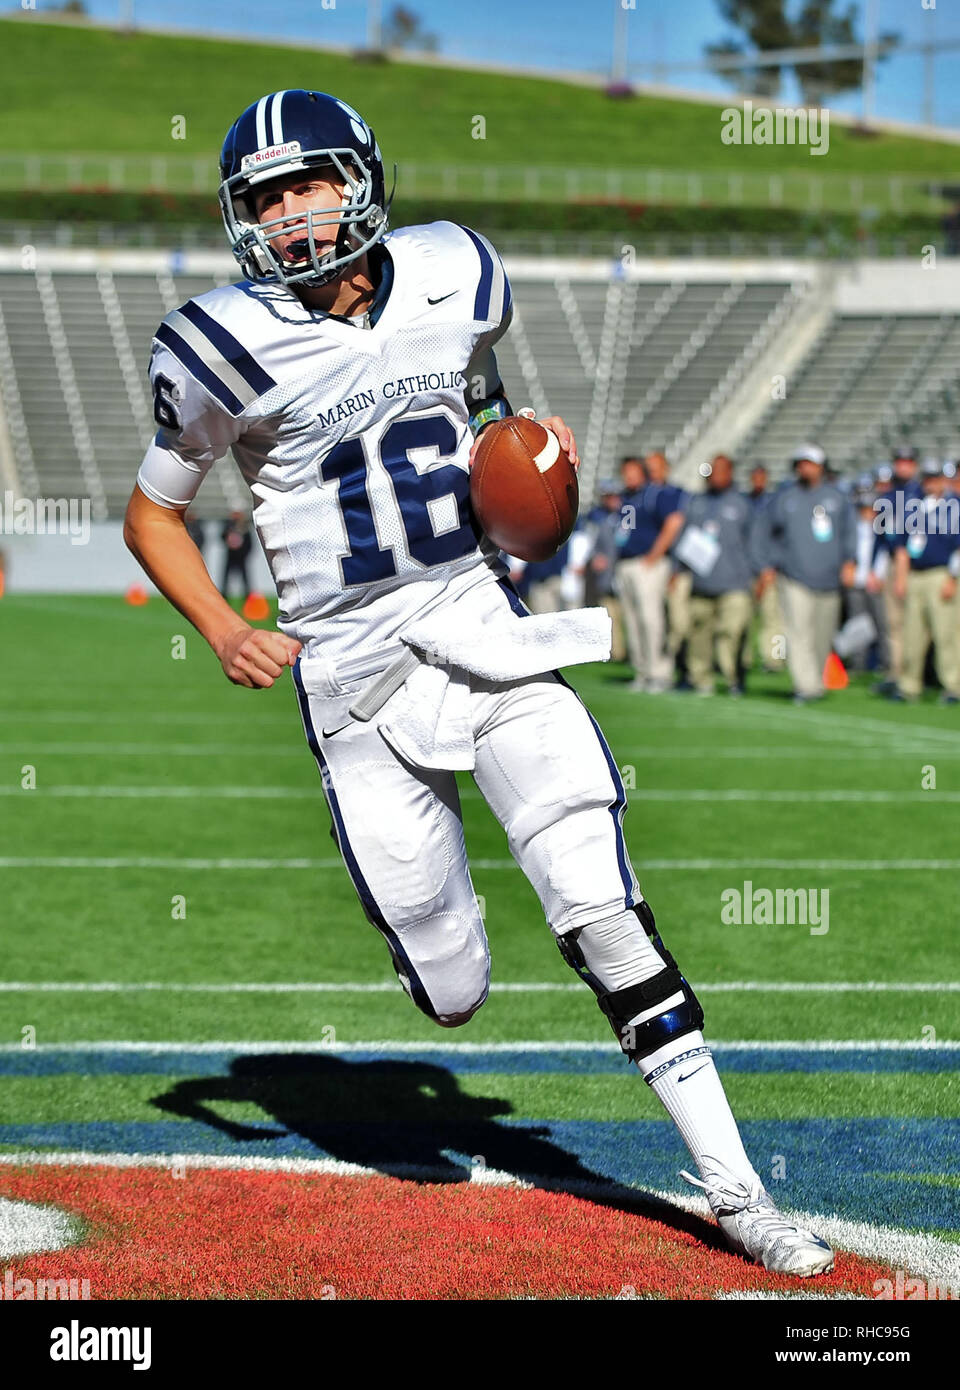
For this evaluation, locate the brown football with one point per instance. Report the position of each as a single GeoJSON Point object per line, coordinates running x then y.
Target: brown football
{"type": "Point", "coordinates": [524, 488]}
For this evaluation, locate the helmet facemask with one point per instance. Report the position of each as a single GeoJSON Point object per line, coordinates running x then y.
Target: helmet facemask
{"type": "Point", "coordinates": [360, 221]}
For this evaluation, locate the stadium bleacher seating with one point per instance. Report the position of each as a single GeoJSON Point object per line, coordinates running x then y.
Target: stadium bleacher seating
{"type": "Point", "coordinates": [75, 373]}
{"type": "Point", "coordinates": [866, 382]}
{"type": "Point", "coordinates": [630, 361]}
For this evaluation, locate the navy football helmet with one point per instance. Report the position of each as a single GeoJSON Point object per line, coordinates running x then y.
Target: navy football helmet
{"type": "Point", "coordinates": [281, 134]}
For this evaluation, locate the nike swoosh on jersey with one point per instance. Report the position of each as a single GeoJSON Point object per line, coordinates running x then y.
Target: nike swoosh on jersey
{"type": "Point", "coordinates": [692, 1073]}
{"type": "Point", "coordinates": [442, 297]}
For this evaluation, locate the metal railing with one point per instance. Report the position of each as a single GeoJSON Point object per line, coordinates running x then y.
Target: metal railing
{"type": "Point", "coordinates": [803, 190]}
{"type": "Point", "coordinates": [210, 236]}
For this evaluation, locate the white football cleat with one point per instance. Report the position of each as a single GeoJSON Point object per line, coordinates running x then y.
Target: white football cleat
{"type": "Point", "coordinates": [754, 1227]}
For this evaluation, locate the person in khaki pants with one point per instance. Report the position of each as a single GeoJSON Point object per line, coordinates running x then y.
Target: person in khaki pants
{"type": "Point", "coordinates": [929, 553]}
{"type": "Point", "coordinates": [651, 517]}
{"type": "Point", "coordinates": [805, 541]}
{"type": "Point", "coordinates": [678, 592]}
{"type": "Point", "coordinates": [904, 490]}
{"type": "Point", "coordinates": [714, 549]}
{"type": "Point", "coordinates": [770, 636]}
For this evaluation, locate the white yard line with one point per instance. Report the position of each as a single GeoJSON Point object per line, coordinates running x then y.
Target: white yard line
{"type": "Point", "coordinates": [105, 722]}
{"type": "Point", "coordinates": [389, 1045]}
{"type": "Point", "coordinates": [505, 987]}
{"type": "Point", "coordinates": [148, 862]}
{"type": "Point", "coordinates": [821, 719]}
{"type": "Point", "coordinates": [649, 751]}
{"type": "Point", "coordinates": [750, 865]}
{"type": "Point", "coordinates": [721, 715]}
{"type": "Point", "coordinates": [799, 1296]}
{"type": "Point", "coordinates": [749, 794]}
{"type": "Point", "coordinates": [134, 792]}
{"type": "Point", "coordinates": [776, 753]}
{"type": "Point", "coordinates": [829, 987]}
{"type": "Point", "coordinates": [28, 746]}
{"type": "Point", "coordinates": [27, 1229]}
{"type": "Point", "coordinates": [837, 865]}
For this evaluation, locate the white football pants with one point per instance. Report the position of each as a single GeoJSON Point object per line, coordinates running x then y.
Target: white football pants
{"type": "Point", "coordinates": [547, 774]}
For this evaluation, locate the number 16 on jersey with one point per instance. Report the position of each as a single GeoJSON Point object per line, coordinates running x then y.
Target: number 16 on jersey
{"type": "Point", "coordinates": [432, 502]}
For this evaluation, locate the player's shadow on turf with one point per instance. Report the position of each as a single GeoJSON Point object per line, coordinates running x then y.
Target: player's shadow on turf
{"type": "Point", "coordinates": [405, 1119]}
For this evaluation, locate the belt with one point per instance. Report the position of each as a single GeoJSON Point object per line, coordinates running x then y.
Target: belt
{"type": "Point", "coordinates": [387, 666]}
{"type": "Point", "coordinates": [378, 692]}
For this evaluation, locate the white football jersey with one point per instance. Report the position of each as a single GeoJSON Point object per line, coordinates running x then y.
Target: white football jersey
{"type": "Point", "coordinates": [354, 439]}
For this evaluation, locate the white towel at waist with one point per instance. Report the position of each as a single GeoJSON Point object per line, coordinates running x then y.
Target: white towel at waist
{"type": "Point", "coordinates": [509, 648]}
{"type": "Point", "coordinates": [428, 720]}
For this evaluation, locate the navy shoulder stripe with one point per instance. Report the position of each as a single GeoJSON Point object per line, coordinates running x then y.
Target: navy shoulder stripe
{"type": "Point", "coordinates": [481, 304]}
{"type": "Point", "coordinates": [196, 366]}
{"type": "Point", "coordinates": [228, 346]}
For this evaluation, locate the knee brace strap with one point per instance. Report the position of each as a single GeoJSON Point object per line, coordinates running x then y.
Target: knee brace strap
{"type": "Point", "coordinates": [621, 1005]}
{"type": "Point", "coordinates": [638, 1039]}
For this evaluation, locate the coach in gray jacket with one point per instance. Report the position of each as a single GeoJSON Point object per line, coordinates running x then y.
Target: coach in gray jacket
{"type": "Point", "coordinates": [806, 539]}
{"type": "Point", "coordinates": [714, 546]}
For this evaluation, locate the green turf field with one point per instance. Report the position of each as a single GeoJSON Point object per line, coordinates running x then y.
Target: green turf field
{"type": "Point", "coordinates": [157, 783]}
{"type": "Point", "coordinates": [144, 81]}
{"type": "Point", "coordinates": [141, 757]}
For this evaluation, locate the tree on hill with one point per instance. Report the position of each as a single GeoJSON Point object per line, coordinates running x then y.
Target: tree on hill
{"type": "Point", "coordinates": [767, 27]}
{"type": "Point", "coordinates": [817, 25]}
{"type": "Point", "coordinates": [404, 29]}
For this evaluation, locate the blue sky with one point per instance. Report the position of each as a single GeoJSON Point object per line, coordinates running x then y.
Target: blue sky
{"type": "Point", "coordinates": [573, 34]}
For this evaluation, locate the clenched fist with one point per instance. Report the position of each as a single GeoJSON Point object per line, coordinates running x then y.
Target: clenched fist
{"type": "Point", "coordinates": [255, 657]}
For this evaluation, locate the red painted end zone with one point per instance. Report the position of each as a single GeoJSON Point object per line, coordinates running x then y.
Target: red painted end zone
{"type": "Point", "coordinates": [221, 1234]}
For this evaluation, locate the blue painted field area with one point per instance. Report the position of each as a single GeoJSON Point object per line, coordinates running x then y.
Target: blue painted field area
{"type": "Point", "coordinates": [589, 1060]}
{"type": "Point", "coordinates": [411, 1114]}
{"type": "Point", "coordinates": [884, 1178]}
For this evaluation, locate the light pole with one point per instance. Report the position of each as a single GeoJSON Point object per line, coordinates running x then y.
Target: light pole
{"type": "Point", "coordinates": [374, 26]}
{"type": "Point", "coordinates": [618, 67]}
{"type": "Point", "coordinates": [869, 60]}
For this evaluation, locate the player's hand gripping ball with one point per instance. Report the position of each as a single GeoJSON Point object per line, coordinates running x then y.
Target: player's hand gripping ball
{"type": "Point", "coordinates": [523, 488]}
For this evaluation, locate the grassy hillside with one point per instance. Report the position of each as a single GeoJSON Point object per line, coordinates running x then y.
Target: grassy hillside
{"type": "Point", "coordinates": [69, 88]}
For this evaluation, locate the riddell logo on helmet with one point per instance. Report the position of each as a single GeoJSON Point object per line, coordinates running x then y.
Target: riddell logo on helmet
{"type": "Point", "coordinates": [253, 161]}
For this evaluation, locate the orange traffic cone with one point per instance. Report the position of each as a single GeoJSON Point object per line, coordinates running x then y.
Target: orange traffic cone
{"type": "Point", "coordinates": [137, 596]}
{"type": "Point", "coordinates": [256, 607]}
{"type": "Point", "coordinates": [834, 673]}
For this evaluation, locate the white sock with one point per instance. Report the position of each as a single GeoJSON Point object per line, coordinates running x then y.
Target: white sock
{"type": "Point", "coordinates": [619, 953]}
{"type": "Point", "coordinates": [683, 1076]}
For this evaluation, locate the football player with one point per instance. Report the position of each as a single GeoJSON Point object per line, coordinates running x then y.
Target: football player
{"type": "Point", "coordinates": [350, 372]}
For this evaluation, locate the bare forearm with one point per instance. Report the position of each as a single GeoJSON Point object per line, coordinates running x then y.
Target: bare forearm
{"type": "Point", "coordinates": [160, 542]}
{"type": "Point", "coordinates": [157, 536]}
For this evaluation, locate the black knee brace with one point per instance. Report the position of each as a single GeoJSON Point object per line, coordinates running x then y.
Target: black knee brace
{"type": "Point", "coordinates": [621, 1005]}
